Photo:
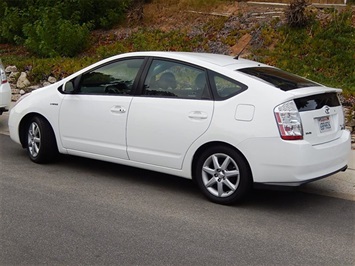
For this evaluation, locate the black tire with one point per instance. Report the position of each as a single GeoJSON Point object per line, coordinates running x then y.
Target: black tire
{"type": "Point", "coordinates": [40, 140]}
{"type": "Point", "coordinates": [223, 175]}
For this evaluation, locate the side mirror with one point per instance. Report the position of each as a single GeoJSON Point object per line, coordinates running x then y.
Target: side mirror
{"type": "Point", "coordinates": [70, 86]}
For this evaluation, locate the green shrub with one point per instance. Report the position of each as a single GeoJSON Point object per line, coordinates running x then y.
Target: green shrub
{"type": "Point", "coordinates": [52, 35]}
{"type": "Point", "coordinates": [71, 38]}
{"type": "Point", "coordinates": [11, 23]}
{"type": "Point", "coordinates": [50, 27]}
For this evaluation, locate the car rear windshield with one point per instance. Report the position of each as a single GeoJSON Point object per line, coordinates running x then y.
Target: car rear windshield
{"type": "Point", "coordinates": [280, 79]}
{"type": "Point", "coordinates": [315, 102]}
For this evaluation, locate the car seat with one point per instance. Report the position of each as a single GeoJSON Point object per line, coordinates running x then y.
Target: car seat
{"type": "Point", "coordinates": [167, 81]}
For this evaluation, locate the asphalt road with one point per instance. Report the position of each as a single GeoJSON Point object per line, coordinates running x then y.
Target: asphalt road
{"type": "Point", "coordinates": [84, 212]}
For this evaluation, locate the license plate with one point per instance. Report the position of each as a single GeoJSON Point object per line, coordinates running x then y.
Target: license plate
{"type": "Point", "coordinates": [324, 124]}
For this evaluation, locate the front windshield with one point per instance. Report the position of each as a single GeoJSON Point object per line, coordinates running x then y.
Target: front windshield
{"type": "Point", "coordinates": [278, 78]}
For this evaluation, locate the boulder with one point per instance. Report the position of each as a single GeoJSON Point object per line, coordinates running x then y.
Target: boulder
{"type": "Point", "coordinates": [22, 81]}
{"type": "Point", "coordinates": [52, 80]}
{"type": "Point", "coordinates": [46, 83]}
{"type": "Point", "coordinates": [13, 77]}
{"type": "Point", "coordinates": [10, 69]}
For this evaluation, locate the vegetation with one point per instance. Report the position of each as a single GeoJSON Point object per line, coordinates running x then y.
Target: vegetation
{"type": "Point", "coordinates": [321, 49]}
{"type": "Point", "coordinates": [296, 14]}
{"type": "Point", "coordinates": [51, 28]}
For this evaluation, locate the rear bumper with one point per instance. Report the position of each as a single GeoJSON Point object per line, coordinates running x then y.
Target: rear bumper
{"type": "Point", "coordinates": [5, 96]}
{"type": "Point", "coordinates": [293, 163]}
{"type": "Point", "coordinates": [296, 184]}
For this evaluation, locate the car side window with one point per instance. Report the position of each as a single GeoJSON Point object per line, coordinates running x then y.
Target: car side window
{"type": "Point", "coordinates": [173, 79]}
{"type": "Point", "coordinates": [113, 79]}
{"type": "Point", "coordinates": [226, 87]}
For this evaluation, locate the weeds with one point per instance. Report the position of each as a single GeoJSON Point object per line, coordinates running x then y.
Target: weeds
{"type": "Point", "coordinates": [296, 14]}
{"type": "Point", "coordinates": [322, 50]}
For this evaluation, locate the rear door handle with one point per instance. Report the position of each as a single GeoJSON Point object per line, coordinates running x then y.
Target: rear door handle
{"type": "Point", "coordinates": [198, 115]}
{"type": "Point", "coordinates": [118, 109]}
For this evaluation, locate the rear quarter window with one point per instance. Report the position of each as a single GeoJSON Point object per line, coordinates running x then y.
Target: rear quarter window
{"type": "Point", "coordinates": [224, 87]}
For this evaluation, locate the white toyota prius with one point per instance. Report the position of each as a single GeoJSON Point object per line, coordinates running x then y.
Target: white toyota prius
{"type": "Point", "coordinates": [227, 123]}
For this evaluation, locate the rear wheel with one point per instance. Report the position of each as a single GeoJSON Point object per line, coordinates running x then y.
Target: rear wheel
{"type": "Point", "coordinates": [223, 175]}
{"type": "Point", "coordinates": [41, 143]}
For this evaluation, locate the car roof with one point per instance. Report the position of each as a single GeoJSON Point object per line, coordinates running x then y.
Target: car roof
{"type": "Point", "coordinates": [217, 62]}
{"type": "Point", "coordinates": [203, 58]}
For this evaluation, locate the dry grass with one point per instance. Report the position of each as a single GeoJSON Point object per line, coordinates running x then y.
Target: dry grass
{"type": "Point", "coordinates": [167, 14]}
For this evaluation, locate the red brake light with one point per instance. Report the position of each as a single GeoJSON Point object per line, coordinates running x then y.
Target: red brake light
{"type": "Point", "coordinates": [289, 121]}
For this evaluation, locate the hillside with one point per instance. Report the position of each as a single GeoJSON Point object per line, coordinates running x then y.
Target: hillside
{"type": "Point", "coordinates": [322, 51]}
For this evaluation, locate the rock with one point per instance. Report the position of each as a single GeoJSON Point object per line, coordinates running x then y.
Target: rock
{"type": "Point", "coordinates": [22, 92]}
{"type": "Point", "coordinates": [22, 81]}
{"type": "Point", "coordinates": [14, 74]}
{"type": "Point", "coordinates": [10, 69]}
{"type": "Point", "coordinates": [15, 91]}
{"type": "Point", "coordinates": [32, 88]}
{"type": "Point", "coordinates": [15, 97]}
{"type": "Point", "coordinates": [52, 79]}
{"type": "Point", "coordinates": [46, 83]}
{"type": "Point", "coordinates": [13, 77]}
{"type": "Point", "coordinates": [13, 86]}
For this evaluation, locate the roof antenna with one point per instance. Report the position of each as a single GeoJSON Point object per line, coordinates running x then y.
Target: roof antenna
{"type": "Point", "coordinates": [245, 46]}
{"type": "Point", "coordinates": [241, 51]}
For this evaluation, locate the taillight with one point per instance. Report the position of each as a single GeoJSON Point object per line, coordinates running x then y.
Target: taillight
{"type": "Point", "coordinates": [289, 121]}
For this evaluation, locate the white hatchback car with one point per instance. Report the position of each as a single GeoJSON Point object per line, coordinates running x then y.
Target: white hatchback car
{"type": "Point", "coordinates": [5, 91]}
{"type": "Point", "coordinates": [227, 123]}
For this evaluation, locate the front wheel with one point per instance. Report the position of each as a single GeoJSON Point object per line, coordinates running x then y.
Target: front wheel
{"type": "Point", "coordinates": [223, 175]}
{"type": "Point", "coordinates": [41, 143]}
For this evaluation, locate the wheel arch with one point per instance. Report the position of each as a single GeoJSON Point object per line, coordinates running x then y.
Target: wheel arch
{"type": "Point", "coordinates": [206, 146]}
{"type": "Point", "coordinates": [24, 124]}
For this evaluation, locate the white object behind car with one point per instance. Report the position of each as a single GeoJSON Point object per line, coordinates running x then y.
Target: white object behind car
{"type": "Point", "coordinates": [5, 91]}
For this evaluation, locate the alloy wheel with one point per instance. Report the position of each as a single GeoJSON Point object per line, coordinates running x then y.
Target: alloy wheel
{"type": "Point", "coordinates": [220, 175]}
{"type": "Point", "coordinates": [34, 139]}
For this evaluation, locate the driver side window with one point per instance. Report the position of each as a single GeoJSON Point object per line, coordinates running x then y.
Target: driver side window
{"type": "Point", "coordinates": [113, 79]}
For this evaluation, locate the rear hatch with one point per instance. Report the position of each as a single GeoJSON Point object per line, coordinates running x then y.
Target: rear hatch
{"type": "Point", "coordinates": [319, 107]}
{"type": "Point", "coordinates": [322, 117]}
